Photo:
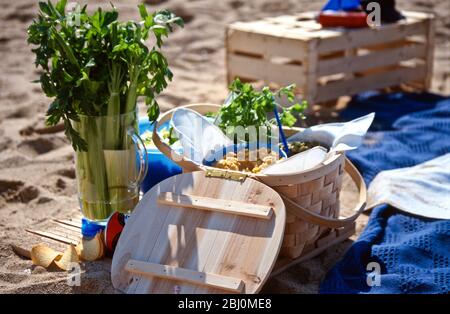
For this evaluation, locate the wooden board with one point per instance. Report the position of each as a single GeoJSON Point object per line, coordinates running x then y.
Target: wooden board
{"type": "Point", "coordinates": [370, 36]}
{"type": "Point", "coordinates": [265, 70]}
{"type": "Point", "coordinates": [383, 79]}
{"type": "Point", "coordinates": [214, 204]}
{"type": "Point", "coordinates": [350, 64]}
{"type": "Point", "coordinates": [191, 250]}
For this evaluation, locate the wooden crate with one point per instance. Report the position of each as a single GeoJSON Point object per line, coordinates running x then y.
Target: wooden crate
{"type": "Point", "coordinates": [326, 63]}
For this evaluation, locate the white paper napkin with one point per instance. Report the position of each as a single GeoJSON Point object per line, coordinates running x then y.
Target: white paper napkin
{"type": "Point", "coordinates": [338, 136]}
{"type": "Point", "coordinates": [298, 162]}
{"type": "Point", "coordinates": [197, 135]}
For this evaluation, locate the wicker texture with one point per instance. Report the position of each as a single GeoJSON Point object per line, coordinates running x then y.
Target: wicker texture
{"type": "Point", "coordinates": [321, 196]}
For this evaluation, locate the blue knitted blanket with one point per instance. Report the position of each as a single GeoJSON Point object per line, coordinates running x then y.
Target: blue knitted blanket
{"type": "Point", "coordinates": [402, 140]}
{"type": "Point", "coordinates": [413, 255]}
{"type": "Point", "coordinates": [398, 252]}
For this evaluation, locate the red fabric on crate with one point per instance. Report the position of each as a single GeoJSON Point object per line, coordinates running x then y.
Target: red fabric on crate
{"type": "Point", "coordinates": [343, 19]}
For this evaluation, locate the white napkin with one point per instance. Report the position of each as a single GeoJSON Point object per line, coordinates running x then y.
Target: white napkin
{"type": "Point", "coordinates": [298, 162]}
{"type": "Point", "coordinates": [422, 190]}
{"type": "Point", "coordinates": [197, 135]}
{"type": "Point", "coordinates": [338, 136]}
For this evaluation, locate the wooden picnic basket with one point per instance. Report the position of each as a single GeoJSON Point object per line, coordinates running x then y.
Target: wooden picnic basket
{"type": "Point", "coordinates": [311, 197]}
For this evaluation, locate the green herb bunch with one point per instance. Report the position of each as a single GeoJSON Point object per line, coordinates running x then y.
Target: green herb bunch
{"type": "Point", "coordinates": [95, 65]}
{"type": "Point", "coordinates": [249, 107]}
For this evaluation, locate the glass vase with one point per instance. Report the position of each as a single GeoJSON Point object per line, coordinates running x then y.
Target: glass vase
{"type": "Point", "coordinates": [110, 171]}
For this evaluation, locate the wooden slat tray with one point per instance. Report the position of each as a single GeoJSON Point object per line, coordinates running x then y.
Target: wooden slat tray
{"type": "Point", "coordinates": [197, 234]}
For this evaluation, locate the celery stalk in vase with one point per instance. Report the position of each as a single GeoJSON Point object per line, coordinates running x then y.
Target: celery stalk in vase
{"type": "Point", "coordinates": [94, 68]}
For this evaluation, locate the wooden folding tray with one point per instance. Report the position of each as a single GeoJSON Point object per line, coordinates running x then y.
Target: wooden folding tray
{"type": "Point", "coordinates": [197, 234]}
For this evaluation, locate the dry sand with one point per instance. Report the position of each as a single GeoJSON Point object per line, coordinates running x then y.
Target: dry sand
{"type": "Point", "coordinates": [37, 179]}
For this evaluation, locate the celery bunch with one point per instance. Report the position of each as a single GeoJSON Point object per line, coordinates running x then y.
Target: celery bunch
{"type": "Point", "coordinates": [93, 65]}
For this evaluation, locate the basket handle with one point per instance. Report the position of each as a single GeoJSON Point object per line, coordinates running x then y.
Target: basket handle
{"type": "Point", "coordinates": [328, 222]}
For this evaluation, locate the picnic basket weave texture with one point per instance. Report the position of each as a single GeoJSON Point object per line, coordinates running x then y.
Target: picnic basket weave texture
{"type": "Point", "coordinates": [321, 196]}
{"type": "Point", "coordinates": [311, 198]}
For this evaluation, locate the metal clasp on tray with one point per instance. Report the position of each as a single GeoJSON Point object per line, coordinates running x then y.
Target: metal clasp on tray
{"type": "Point", "coordinates": [219, 173]}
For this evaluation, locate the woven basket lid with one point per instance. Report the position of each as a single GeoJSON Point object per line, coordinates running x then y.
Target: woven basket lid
{"type": "Point", "coordinates": [193, 233]}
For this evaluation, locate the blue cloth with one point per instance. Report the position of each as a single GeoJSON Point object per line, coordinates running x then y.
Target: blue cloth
{"type": "Point", "coordinates": [342, 5]}
{"type": "Point", "coordinates": [406, 140]}
{"type": "Point", "coordinates": [413, 252]}
{"type": "Point", "coordinates": [388, 107]}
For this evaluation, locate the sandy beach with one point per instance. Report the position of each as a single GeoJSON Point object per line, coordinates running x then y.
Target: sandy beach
{"type": "Point", "coordinates": [37, 175]}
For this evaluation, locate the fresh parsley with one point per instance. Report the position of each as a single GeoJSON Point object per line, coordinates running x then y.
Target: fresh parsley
{"type": "Point", "coordinates": [249, 107]}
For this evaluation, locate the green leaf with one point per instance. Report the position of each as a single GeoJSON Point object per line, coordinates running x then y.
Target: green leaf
{"type": "Point", "coordinates": [91, 63]}
{"type": "Point", "coordinates": [110, 17]}
{"type": "Point", "coordinates": [299, 108]}
{"type": "Point", "coordinates": [152, 110]}
{"type": "Point", "coordinates": [47, 85]}
{"type": "Point", "coordinates": [288, 119]}
{"type": "Point", "coordinates": [67, 77]}
{"type": "Point", "coordinates": [61, 6]}
{"type": "Point", "coordinates": [44, 7]}
{"type": "Point", "coordinates": [66, 48]}
{"type": "Point", "coordinates": [143, 11]}
{"type": "Point", "coordinates": [179, 21]}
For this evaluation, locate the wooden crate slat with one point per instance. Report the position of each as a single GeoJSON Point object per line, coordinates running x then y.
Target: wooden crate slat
{"type": "Point", "coordinates": [261, 69]}
{"type": "Point", "coordinates": [373, 60]}
{"type": "Point", "coordinates": [308, 15]}
{"type": "Point", "coordinates": [418, 15]}
{"type": "Point", "coordinates": [268, 46]}
{"type": "Point", "coordinates": [370, 82]}
{"type": "Point", "coordinates": [72, 228]}
{"type": "Point", "coordinates": [294, 21]}
{"type": "Point", "coordinates": [282, 19]}
{"type": "Point", "coordinates": [371, 36]}
{"type": "Point", "coordinates": [271, 29]}
{"type": "Point", "coordinates": [70, 222]}
{"type": "Point", "coordinates": [278, 30]}
{"type": "Point", "coordinates": [66, 231]}
{"type": "Point", "coordinates": [313, 25]}
{"type": "Point", "coordinates": [53, 236]}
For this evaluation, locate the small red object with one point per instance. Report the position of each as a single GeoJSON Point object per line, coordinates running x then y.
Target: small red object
{"type": "Point", "coordinates": [114, 227]}
{"type": "Point", "coordinates": [343, 19]}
